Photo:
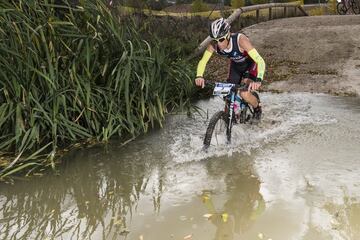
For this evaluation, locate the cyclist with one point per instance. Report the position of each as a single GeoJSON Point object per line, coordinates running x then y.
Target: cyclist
{"type": "Point", "coordinates": [246, 65]}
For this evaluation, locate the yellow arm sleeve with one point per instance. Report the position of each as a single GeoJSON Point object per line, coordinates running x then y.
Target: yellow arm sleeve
{"type": "Point", "coordinates": [202, 63]}
{"type": "Point", "coordinates": [259, 61]}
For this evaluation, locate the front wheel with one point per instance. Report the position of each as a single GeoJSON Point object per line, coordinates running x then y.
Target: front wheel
{"type": "Point", "coordinates": [218, 131]}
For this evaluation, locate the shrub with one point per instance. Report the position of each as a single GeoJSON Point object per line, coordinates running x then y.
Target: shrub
{"type": "Point", "coordinates": [237, 3]}
{"type": "Point", "coordinates": [76, 73]}
{"type": "Point", "coordinates": [156, 4]}
{"type": "Point", "coordinates": [256, 2]}
{"type": "Point", "coordinates": [199, 6]}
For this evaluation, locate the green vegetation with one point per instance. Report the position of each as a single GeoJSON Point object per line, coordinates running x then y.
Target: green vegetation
{"type": "Point", "coordinates": [237, 3]}
{"type": "Point", "coordinates": [256, 2]}
{"type": "Point", "coordinates": [71, 74]}
{"type": "Point", "coordinates": [199, 6]}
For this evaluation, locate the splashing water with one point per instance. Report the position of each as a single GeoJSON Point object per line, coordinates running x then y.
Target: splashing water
{"type": "Point", "coordinates": [283, 116]}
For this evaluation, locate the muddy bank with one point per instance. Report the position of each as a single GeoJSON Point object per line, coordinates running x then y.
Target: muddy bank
{"type": "Point", "coordinates": [309, 54]}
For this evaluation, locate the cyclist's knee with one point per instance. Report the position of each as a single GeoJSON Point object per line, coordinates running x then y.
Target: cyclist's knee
{"type": "Point", "coordinates": [245, 94]}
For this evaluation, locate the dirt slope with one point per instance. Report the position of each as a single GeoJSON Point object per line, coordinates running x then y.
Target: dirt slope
{"type": "Point", "coordinates": [314, 54]}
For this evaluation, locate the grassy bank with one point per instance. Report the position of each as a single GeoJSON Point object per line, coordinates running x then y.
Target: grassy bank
{"type": "Point", "coordinates": [71, 74]}
{"type": "Point", "coordinates": [85, 73]}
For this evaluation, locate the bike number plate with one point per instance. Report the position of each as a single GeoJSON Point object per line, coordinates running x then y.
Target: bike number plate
{"type": "Point", "coordinates": [222, 89]}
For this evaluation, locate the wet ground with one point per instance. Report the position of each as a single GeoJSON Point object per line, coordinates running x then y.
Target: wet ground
{"type": "Point", "coordinates": [294, 176]}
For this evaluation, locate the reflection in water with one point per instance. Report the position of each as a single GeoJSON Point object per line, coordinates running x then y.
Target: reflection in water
{"type": "Point", "coordinates": [151, 189]}
{"type": "Point", "coordinates": [98, 196]}
{"type": "Point", "coordinates": [86, 201]}
{"type": "Point", "coordinates": [243, 204]}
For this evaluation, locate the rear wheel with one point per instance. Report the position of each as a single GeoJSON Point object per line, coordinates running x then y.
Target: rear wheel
{"type": "Point", "coordinates": [355, 6]}
{"type": "Point", "coordinates": [218, 132]}
{"type": "Point", "coordinates": [341, 8]}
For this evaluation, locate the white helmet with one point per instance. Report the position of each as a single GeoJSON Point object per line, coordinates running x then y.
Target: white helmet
{"type": "Point", "coordinates": [219, 28]}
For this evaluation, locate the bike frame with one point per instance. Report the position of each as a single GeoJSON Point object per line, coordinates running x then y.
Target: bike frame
{"type": "Point", "coordinates": [228, 92]}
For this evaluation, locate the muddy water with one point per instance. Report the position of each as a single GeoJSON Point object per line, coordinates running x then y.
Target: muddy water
{"type": "Point", "coordinates": [294, 176]}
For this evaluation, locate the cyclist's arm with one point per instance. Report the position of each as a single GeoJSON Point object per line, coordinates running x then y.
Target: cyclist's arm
{"type": "Point", "coordinates": [245, 43]}
{"type": "Point", "coordinates": [204, 60]}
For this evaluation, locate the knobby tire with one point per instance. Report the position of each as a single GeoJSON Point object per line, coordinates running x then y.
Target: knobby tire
{"type": "Point", "coordinates": [218, 116]}
{"type": "Point", "coordinates": [355, 5]}
{"type": "Point", "coordinates": [341, 8]}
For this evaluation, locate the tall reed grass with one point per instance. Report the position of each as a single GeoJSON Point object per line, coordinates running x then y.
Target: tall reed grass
{"type": "Point", "coordinates": [71, 73]}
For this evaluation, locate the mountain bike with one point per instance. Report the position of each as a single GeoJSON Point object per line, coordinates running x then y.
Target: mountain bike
{"type": "Point", "coordinates": [343, 6]}
{"type": "Point", "coordinates": [221, 123]}
{"type": "Point", "coordinates": [355, 6]}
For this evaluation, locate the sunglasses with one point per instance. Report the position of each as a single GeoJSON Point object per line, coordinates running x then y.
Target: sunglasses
{"type": "Point", "coordinates": [220, 39]}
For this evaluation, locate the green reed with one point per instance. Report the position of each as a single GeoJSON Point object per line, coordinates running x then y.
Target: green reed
{"type": "Point", "coordinates": [77, 73]}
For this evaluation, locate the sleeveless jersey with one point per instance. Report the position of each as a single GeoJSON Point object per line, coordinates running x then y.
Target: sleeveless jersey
{"type": "Point", "coordinates": [234, 52]}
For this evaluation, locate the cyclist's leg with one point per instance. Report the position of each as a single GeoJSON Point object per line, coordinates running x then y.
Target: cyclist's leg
{"type": "Point", "coordinates": [253, 100]}
{"type": "Point", "coordinates": [248, 96]}
{"type": "Point", "coordinates": [249, 76]}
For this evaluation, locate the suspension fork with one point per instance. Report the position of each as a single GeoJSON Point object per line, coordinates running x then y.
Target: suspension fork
{"type": "Point", "coordinates": [231, 110]}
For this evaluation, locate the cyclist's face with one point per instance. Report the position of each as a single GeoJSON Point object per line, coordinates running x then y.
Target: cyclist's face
{"type": "Point", "coordinates": [222, 42]}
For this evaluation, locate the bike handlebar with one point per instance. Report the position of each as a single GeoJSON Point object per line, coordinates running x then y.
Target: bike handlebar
{"type": "Point", "coordinates": [241, 87]}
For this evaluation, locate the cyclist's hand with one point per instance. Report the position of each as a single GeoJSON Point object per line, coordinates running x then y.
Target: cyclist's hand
{"type": "Point", "coordinates": [254, 86]}
{"type": "Point", "coordinates": [200, 82]}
